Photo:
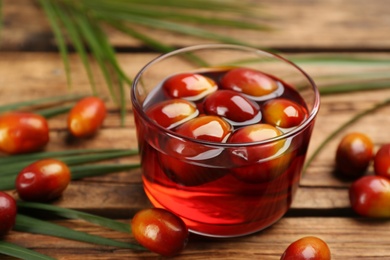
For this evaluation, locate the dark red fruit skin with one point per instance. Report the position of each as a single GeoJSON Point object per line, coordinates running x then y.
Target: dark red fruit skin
{"type": "Point", "coordinates": [23, 132]}
{"type": "Point", "coordinates": [176, 163]}
{"type": "Point", "coordinates": [206, 128]}
{"type": "Point", "coordinates": [354, 154]}
{"type": "Point", "coordinates": [160, 231]}
{"type": "Point", "coordinates": [257, 163]}
{"type": "Point", "coordinates": [249, 81]}
{"type": "Point", "coordinates": [283, 113]}
{"type": "Point", "coordinates": [8, 211]}
{"type": "Point", "coordinates": [382, 161]}
{"type": "Point", "coordinates": [189, 86]}
{"type": "Point", "coordinates": [232, 105]}
{"type": "Point", "coordinates": [43, 180]}
{"type": "Point", "coordinates": [86, 117]}
{"type": "Point", "coordinates": [255, 133]}
{"type": "Point", "coordinates": [370, 196]}
{"type": "Point", "coordinates": [307, 248]}
{"type": "Point", "coordinates": [171, 112]}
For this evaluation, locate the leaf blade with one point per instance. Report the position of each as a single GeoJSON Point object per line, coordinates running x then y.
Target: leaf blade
{"type": "Point", "coordinates": [78, 172]}
{"type": "Point", "coordinates": [21, 252]}
{"type": "Point", "coordinates": [74, 214]}
{"type": "Point", "coordinates": [40, 155]}
{"type": "Point", "coordinates": [172, 26]}
{"type": "Point", "coordinates": [54, 23]}
{"type": "Point", "coordinates": [140, 36]}
{"type": "Point", "coordinates": [76, 39]}
{"type": "Point", "coordinates": [55, 111]}
{"type": "Point", "coordinates": [188, 15]}
{"type": "Point", "coordinates": [216, 5]}
{"type": "Point", "coordinates": [41, 101]}
{"type": "Point", "coordinates": [351, 87]}
{"type": "Point", "coordinates": [69, 159]}
{"type": "Point", "coordinates": [88, 31]}
{"type": "Point", "coordinates": [32, 225]}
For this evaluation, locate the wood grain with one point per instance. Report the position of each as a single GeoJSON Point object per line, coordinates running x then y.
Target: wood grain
{"type": "Point", "coordinates": [30, 68]}
{"type": "Point", "coordinates": [321, 206]}
{"type": "Point", "coordinates": [340, 233]}
{"type": "Point", "coordinates": [295, 25]}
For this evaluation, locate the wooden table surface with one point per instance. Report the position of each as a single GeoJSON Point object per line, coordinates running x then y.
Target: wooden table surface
{"type": "Point", "coordinates": [30, 68]}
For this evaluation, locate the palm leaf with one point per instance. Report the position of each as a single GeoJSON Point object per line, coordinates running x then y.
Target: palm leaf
{"type": "Point", "coordinates": [74, 214]}
{"type": "Point", "coordinates": [170, 26]}
{"type": "Point", "coordinates": [21, 252]}
{"type": "Point", "coordinates": [54, 22]}
{"type": "Point", "coordinates": [7, 182]}
{"type": "Point", "coordinates": [354, 86]}
{"type": "Point", "coordinates": [120, 26]}
{"type": "Point", "coordinates": [82, 23]}
{"type": "Point", "coordinates": [172, 13]}
{"type": "Point", "coordinates": [12, 165]}
{"type": "Point", "coordinates": [221, 5]}
{"type": "Point", "coordinates": [40, 102]}
{"type": "Point", "coordinates": [355, 75]}
{"type": "Point", "coordinates": [74, 35]}
{"type": "Point", "coordinates": [20, 158]}
{"type": "Point", "coordinates": [109, 55]}
{"type": "Point", "coordinates": [13, 168]}
{"type": "Point", "coordinates": [78, 172]}
{"type": "Point", "coordinates": [153, 43]}
{"type": "Point", "coordinates": [89, 32]}
{"type": "Point", "coordinates": [339, 60]}
{"type": "Point", "coordinates": [32, 225]}
{"type": "Point", "coordinates": [55, 111]}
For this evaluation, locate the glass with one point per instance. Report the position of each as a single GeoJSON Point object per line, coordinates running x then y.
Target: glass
{"type": "Point", "coordinates": [218, 191]}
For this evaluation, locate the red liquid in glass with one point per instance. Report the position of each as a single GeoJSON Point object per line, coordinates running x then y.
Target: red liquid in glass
{"type": "Point", "coordinates": [219, 196]}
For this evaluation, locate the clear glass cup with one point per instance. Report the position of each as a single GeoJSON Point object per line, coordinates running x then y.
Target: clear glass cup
{"type": "Point", "coordinates": [219, 191]}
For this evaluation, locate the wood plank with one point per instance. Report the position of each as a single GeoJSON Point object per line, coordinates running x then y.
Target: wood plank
{"type": "Point", "coordinates": [339, 233]}
{"type": "Point", "coordinates": [41, 75]}
{"type": "Point", "coordinates": [37, 70]}
{"type": "Point", "coordinates": [27, 75]}
{"type": "Point", "coordinates": [296, 25]}
{"type": "Point", "coordinates": [123, 200]}
{"type": "Point", "coordinates": [321, 206]}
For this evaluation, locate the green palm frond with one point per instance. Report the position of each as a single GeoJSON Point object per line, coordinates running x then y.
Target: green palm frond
{"type": "Point", "coordinates": [20, 252]}
{"type": "Point", "coordinates": [33, 225]}
{"type": "Point", "coordinates": [82, 25]}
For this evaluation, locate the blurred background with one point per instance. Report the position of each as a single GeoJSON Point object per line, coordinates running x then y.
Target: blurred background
{"type": "Point", "coordinates": [292, 26]}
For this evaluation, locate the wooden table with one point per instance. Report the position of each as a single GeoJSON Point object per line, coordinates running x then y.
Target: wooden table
{"type": "Point", "coordinates": [30, 68]}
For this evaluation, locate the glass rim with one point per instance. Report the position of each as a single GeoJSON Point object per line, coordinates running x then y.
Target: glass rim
{"type": "Point", "coordinates": [137, 106]}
